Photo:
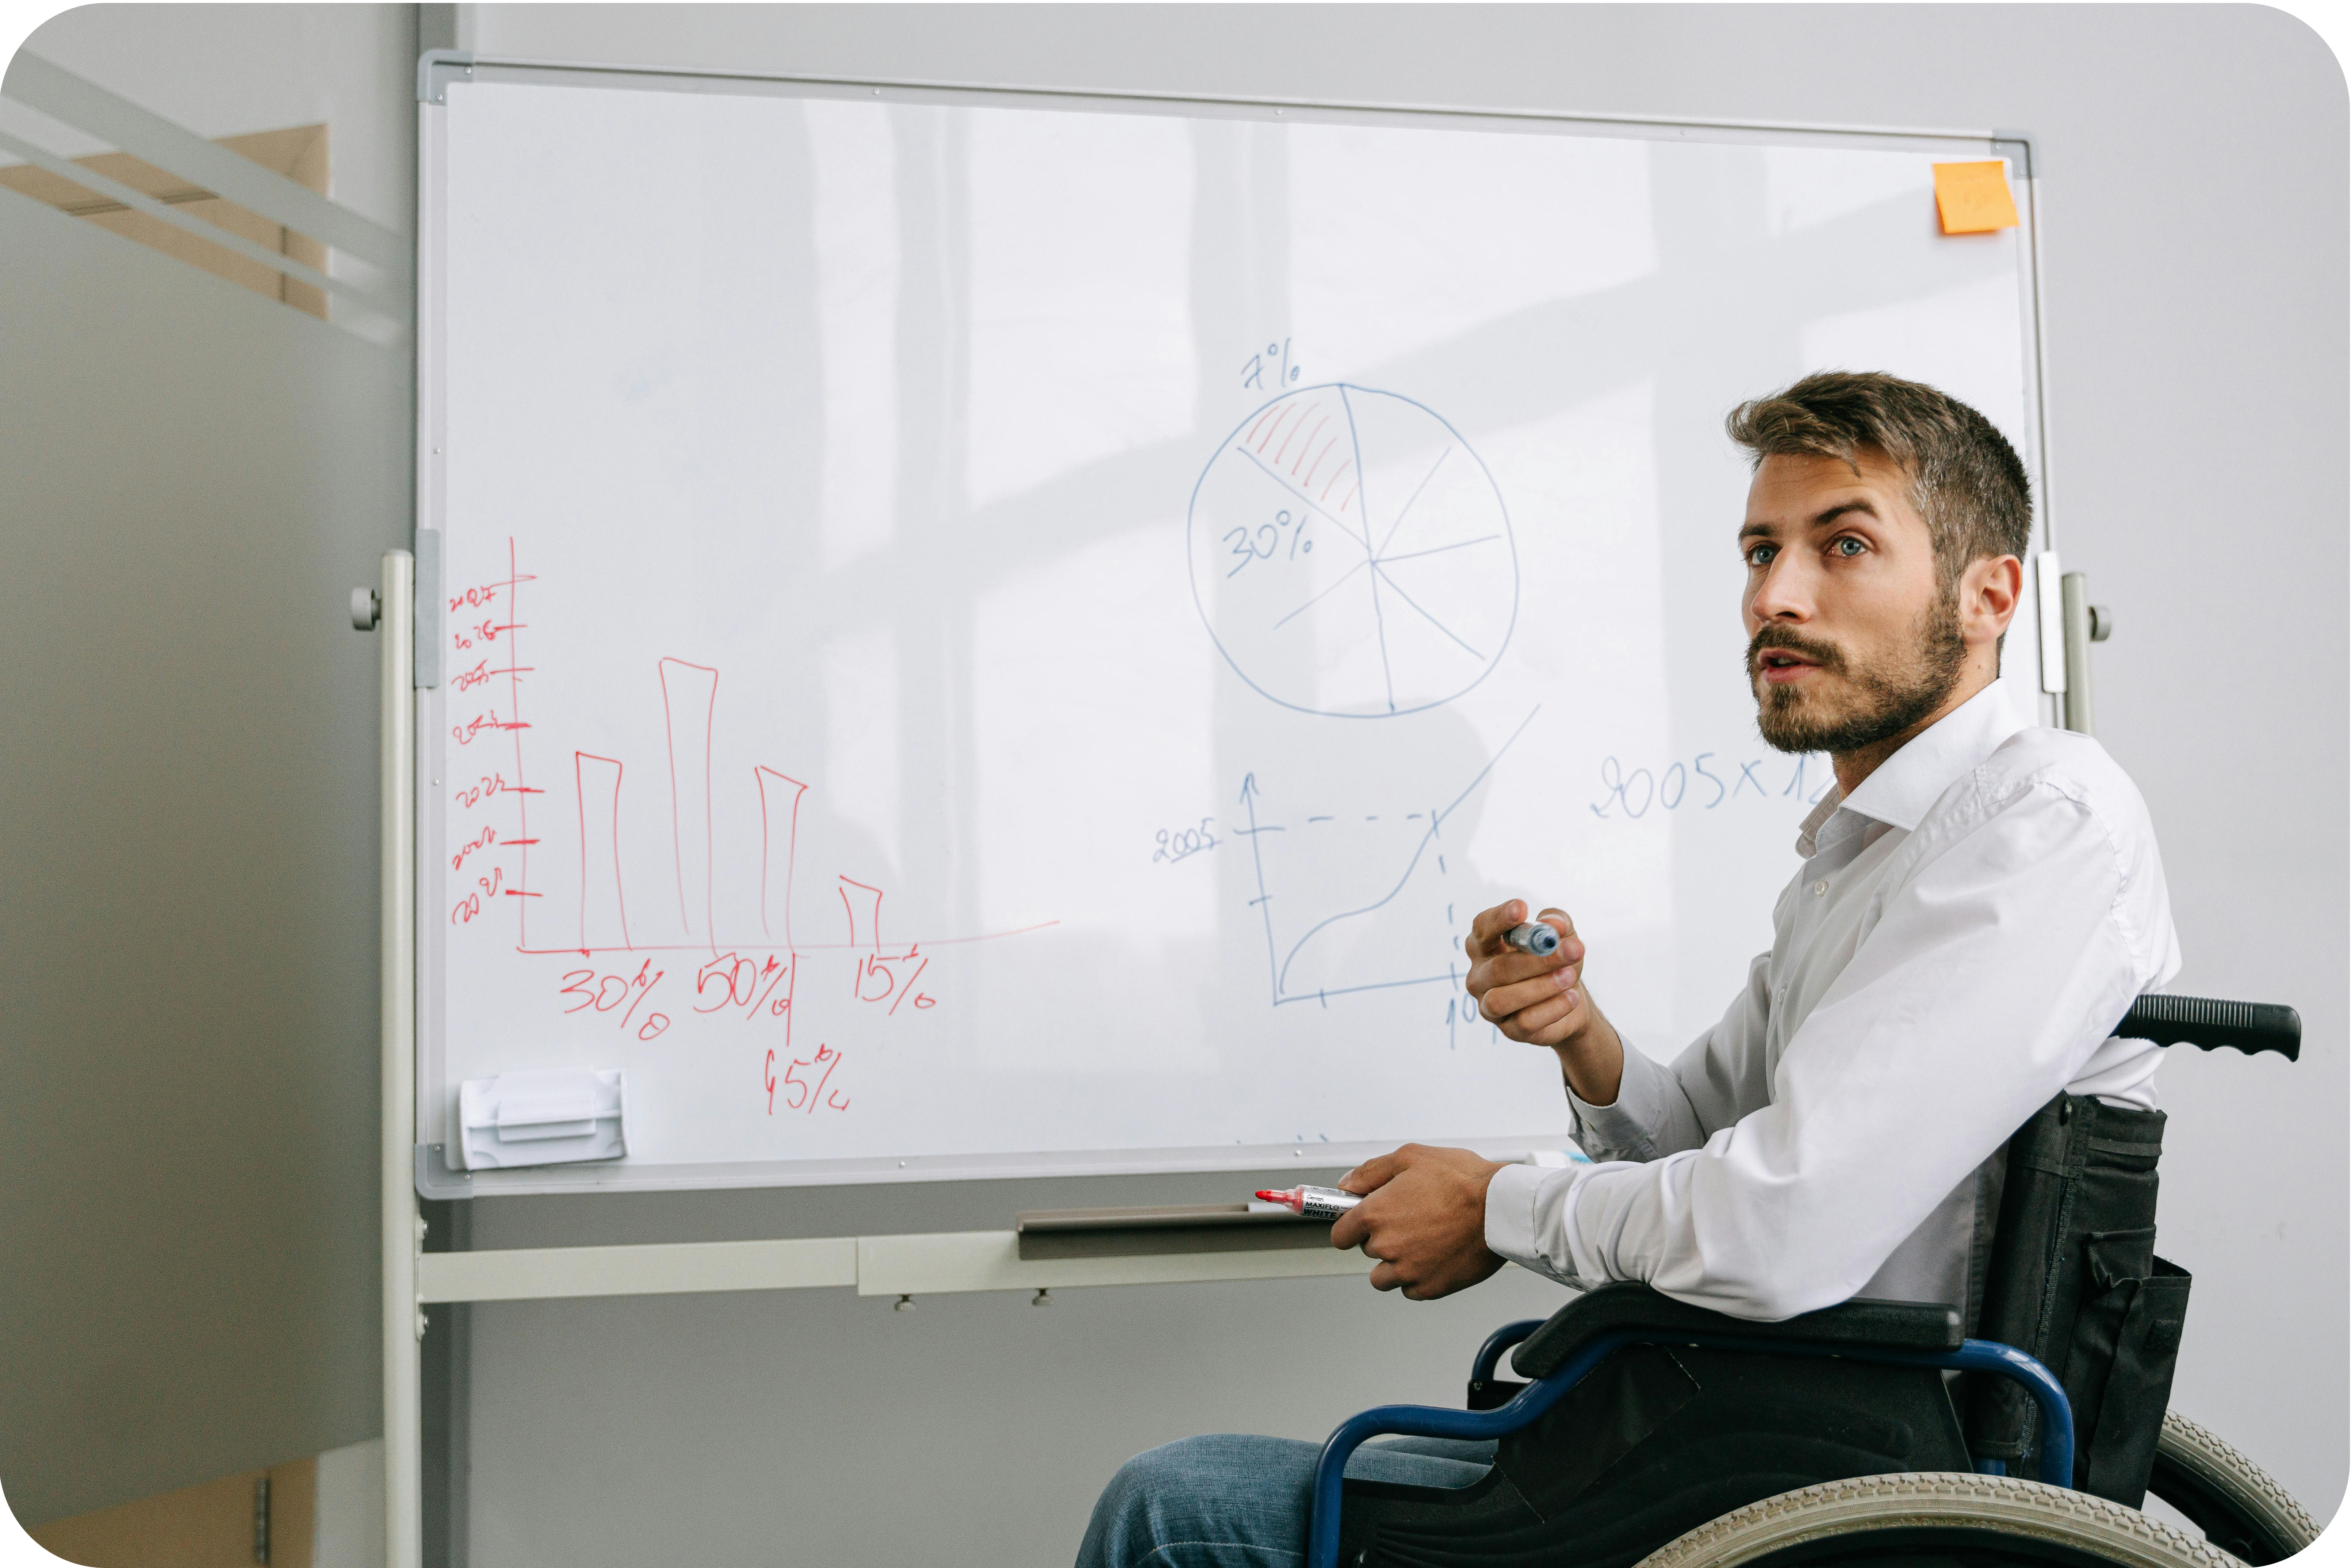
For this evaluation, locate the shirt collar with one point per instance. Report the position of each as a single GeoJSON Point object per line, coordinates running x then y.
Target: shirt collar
{"type": "Point", "coordinates": [1808, 837]}
{"type": "Point", "coordinates": [1906, 785]}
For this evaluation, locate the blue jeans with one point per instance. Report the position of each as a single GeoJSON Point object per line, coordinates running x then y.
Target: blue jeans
{"type": "Point", "coordinates": [1241, 1502]}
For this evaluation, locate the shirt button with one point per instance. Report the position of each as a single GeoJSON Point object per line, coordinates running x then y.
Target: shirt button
{"type": "Point", "coordinates": [1820, 890]}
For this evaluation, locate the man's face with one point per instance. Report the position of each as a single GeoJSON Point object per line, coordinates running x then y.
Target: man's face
{"type": "Point", "coordinates": [1852, 640]}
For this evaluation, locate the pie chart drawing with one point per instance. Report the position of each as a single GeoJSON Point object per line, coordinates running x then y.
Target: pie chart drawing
{"type": "Point", "coordinates": [1351, 555]}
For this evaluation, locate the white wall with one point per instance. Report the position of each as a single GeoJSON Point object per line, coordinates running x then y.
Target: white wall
{"type": "Point", "coordinates": [2198, 405]}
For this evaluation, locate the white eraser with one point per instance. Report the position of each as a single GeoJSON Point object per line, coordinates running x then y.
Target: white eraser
{"type": "Point", "coordinates": [543, 1118]}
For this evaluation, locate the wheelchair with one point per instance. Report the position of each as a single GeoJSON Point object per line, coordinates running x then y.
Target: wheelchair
{"type": "Point", "coordinates": [1652, 1432]}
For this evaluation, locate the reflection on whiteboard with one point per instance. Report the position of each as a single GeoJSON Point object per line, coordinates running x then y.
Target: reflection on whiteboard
{"type": "Point", "coordinates": [1019, 638]}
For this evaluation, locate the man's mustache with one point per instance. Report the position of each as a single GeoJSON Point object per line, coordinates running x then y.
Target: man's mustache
{"type": "Point", "coordinates": [1826, 656]}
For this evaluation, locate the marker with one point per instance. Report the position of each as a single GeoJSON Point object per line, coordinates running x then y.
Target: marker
{"type": "Point", "coordinates": [1537, 936]}
{"type": "Point", "coordinates": [1313, 1202]}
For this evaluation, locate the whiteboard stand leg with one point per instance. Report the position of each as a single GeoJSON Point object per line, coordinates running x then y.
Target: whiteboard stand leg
{"type": "Point", "coordinates": [404, 1456]}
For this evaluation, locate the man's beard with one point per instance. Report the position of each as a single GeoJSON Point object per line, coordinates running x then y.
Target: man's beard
{"type": "Point", "coordinates": [1893, 695]}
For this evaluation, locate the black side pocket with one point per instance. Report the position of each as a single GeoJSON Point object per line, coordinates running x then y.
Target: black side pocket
{"type": "Point", "coordinates": [2115, 1263]}
{"type": "Point", "coordinates": [2120, 1447]}
{"type": "Point", "coordinates": [1608, 1416]}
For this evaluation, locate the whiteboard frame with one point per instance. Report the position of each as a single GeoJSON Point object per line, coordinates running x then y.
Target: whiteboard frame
{"type": "Point", "coordinates": [432, 1175]}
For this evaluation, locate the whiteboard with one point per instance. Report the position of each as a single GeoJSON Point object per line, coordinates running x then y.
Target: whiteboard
{"type": "Point", "coordinates": [998, 634]}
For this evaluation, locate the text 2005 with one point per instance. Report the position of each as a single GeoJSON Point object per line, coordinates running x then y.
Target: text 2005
{"type": "Point", "coordinates": [1178, 844]}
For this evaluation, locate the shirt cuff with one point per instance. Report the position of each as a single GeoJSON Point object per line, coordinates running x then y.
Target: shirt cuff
{"type": "Point", "coordinates": [1619, 1131]}
{"type": "Point", "coordinates": [1510, 1213]}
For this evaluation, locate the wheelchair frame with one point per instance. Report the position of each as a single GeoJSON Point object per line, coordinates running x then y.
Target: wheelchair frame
{"type": "Point", "coordinates": [1530, 1403]}
{"type": "Point", "coordinates": [2167, 1020]}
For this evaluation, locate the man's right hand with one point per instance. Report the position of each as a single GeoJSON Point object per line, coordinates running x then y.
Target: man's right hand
{"type": "Point", "coordinates": [1542, 1000]}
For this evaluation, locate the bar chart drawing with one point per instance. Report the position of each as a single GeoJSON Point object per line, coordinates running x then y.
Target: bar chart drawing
{"type": "Point", "coordinates": [676, 851]}
{"type": "Point", "coordinates": [779, 824]}
{"type": "Point", "coordinates": [602, 923]}
{"type": "Point", "coordinates": [720, 888]}
{"type": "Point", "coordinates": [689, 703]}
{"type": "Point", "coordinates": [607, 814]}
{"type": "Point", "coordinates": [1351, 555]}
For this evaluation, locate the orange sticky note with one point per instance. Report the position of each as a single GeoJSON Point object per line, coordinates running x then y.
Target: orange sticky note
{"type": "Point", "coordinates": [1972, 198]}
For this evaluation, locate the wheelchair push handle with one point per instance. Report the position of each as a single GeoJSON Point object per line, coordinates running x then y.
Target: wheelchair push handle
{"type": "Point", "coordinates": [2209, 1023]}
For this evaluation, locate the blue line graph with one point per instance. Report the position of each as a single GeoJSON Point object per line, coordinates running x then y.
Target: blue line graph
{"type": "Point", "coordinates": [1321, 592]}
{"type": "Point", "coordinates": [1427, 850]}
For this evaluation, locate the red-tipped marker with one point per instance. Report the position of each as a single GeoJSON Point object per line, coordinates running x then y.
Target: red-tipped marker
{"type": "Point", "coordinates": [1313, 1202]}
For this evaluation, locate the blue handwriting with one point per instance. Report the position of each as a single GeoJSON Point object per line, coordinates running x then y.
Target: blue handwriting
{"type": "Point", "coordinates": [1634, 793]}
{"type": "Point", "coordinates": [1181, 844]}
{"type": "Point", "coordinates": [1264, 541]}
{"type": "Point", "coordinates": [1274, 361]}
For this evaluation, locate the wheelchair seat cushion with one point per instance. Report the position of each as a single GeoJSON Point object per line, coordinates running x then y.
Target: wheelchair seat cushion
{"type": "Point", "coordinates": [1884, 1325]}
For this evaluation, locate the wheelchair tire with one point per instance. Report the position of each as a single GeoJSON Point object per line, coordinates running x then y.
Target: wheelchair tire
{"type": "Point", "coordinates": [1944, 1517]}
{"type": "Point", "coordinates": [2238, 1506]}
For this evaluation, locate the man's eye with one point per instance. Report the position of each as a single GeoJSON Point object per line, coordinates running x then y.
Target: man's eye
{"type": "Point", "coordinates": [1848, 546]}
{"type": "Point", "coordinates": [1761, 555]}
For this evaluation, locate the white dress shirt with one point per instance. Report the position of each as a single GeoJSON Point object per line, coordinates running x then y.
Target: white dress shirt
{"type": "Point", "coordinates": [1956, 948]}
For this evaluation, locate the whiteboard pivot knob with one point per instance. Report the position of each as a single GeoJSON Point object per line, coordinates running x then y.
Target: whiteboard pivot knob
{"type": "Point", "coordinates": [903, 1304]}
{"type": "Point", "coordinates": [367, 608]}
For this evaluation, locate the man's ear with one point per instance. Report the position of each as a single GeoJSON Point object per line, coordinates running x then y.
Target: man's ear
{"type": "Point", "coordinates": [1990, 592]}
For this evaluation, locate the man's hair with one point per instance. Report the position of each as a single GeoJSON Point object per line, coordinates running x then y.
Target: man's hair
{"type": "Point", "coordinates": [1965, 478]}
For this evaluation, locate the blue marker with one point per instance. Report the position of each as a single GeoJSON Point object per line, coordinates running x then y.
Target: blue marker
{"type": "Point", "coordinates": [1537, 936]}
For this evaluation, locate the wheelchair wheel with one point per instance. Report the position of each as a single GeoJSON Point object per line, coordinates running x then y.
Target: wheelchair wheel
{"type": "Point", "coordinates": [2238, 1507]}
{"type": "Point", "coordinates": [1953, 1518]}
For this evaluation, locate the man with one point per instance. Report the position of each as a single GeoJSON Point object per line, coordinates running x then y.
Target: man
{"type": "Point", "coordinates": [1980, 901]}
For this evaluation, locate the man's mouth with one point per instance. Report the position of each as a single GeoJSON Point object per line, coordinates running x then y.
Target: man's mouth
{"type": "Point", "coordinates": [1777, 666]}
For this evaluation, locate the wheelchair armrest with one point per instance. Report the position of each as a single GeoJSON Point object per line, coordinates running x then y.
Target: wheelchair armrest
{"type": "Point", "coordinates": [1490, 1355]}
{"type": "Point", "coordinates": [1927, 1326]}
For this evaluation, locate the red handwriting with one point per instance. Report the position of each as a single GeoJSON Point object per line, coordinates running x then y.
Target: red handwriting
{"type": "Point", "coordinates": [471, 904]}
{"type": "Point", "coordinates": [472, 795]}
{"type": "Point", "coordinates": [877, 980]}
{"type": "Point", "coordinates": [805, 1093]}
{"type": "Point", "coordinates": [482, 632]}
{"type": "Point", "coordinates": [705, 853]}
{"type": "Point", "coordinates": [732, 980]}
{"type": "Point", "coordinates": [464, 733]}
{"type": "Point", "coordinates": [482, 840]}
{"type": "Point", "coordinates": [606, 992]}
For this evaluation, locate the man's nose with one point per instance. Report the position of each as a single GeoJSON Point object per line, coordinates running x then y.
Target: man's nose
{"type": "Point", "coordinates": [1784, 593]}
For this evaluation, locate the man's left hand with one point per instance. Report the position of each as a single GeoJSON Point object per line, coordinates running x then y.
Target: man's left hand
{"type": "Point", "coordinates": [1425, 1220]}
